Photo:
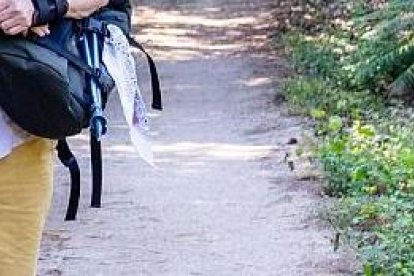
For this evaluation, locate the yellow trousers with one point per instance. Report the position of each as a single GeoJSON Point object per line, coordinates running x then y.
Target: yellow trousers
{"type": "Point", "coordinates": [25, 194]}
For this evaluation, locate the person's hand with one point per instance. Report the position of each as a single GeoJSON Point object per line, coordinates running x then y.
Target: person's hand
{"type": "Point", "coordinates": [41, 30]}
{"type": "Point", "coordinates": [16, 16]}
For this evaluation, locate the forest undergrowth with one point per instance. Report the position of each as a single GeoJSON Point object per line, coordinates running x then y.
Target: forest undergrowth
{"type": "Point", "coordinates": [354, 76]}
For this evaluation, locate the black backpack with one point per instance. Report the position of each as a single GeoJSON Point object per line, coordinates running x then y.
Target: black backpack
{"type": "Point", "coordinates": [44, 85]}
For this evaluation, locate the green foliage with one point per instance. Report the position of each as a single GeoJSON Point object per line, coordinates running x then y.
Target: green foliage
{"type": "Point", "coordinates": [369, 159]}
{"type": "Point", "coordinates": [392, 65]}
{"type": "Point", "coordinates": [375, 51]}
{"type": "Point", "coordinates": [381, 228]}
{"type": "Point", "coordinates": [388, 47]}
{"type": "Point", "coordinates": [365, 141]}
{"type": "Point", "coordinates": [325, 59]}
{"type": "Point", "coordinates": [300, 91]}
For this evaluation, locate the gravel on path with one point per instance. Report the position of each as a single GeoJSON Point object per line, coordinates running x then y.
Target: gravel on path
{"type": "Point", "coordinates": [220, 201]}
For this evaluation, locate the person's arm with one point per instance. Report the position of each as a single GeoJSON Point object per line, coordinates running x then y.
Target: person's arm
{"type": "Point", "coordinates": [83, 8]}
{"type": "Point", "coordinates": [18, 16]}
{"type": "Point", "coordinates": [76, 9]}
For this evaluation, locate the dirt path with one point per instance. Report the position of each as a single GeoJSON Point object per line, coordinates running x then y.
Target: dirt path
{"type": "Point", "coordinates": [221, 201]}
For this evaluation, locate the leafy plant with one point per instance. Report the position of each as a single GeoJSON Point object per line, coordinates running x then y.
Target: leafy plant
{"type": "Point", "coordinates": [389, 43]}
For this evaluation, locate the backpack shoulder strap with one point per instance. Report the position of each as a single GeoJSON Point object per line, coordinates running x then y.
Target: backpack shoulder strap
{"type": "Point", "coordinates": [68, 159]}
{"type": "Point", "coordinates": [101, 77]}
{"type": "Point", "coordinates": [73, 59]}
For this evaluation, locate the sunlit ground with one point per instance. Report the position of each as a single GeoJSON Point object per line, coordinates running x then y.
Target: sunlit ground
{"type": "Point", "coordinates": [174, 35]}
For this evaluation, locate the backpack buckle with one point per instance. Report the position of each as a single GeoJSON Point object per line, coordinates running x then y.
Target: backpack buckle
{"type": "Point", "coordinates": [104, 80]}
{"type": "Point", "coordinates": [92, 25]}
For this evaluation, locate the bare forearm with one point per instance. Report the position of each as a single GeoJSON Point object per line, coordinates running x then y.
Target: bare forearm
{"type": "Point", "coordinates": [83, 8]}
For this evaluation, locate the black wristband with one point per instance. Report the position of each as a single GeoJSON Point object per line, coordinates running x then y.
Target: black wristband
{"type": "Point", "coordinates": [62, 7]}
{"type": "Point", "coordinates": [48, 10]}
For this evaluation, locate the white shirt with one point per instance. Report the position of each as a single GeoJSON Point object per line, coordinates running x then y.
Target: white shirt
{"type": "Point", "coordinates": [11, 135]}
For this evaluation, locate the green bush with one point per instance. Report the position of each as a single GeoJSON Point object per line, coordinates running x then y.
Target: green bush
{"type": "Point", "coordinates": [381, 228]}
{"type": "Point", "coordinates": [314, 96]}
{"type": "Point", "coordinates": [324, 58]}
{"type": "Point", "coordinates": [386, 49]}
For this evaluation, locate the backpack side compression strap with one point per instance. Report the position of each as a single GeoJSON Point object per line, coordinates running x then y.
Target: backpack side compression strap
{"type": "Point", "coordinates": [68, 159]}
{"type": "Point", "coordinates": [96, 164]}
{"type": "Point", "coordinates": [156, 90]}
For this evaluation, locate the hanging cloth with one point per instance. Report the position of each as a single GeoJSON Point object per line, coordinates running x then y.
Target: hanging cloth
{"type": "Point", "coordinates": [120, 63]}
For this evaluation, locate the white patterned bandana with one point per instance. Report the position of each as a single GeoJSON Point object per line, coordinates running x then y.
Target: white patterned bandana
{"type": "Point", "coordinates": [120, 63]}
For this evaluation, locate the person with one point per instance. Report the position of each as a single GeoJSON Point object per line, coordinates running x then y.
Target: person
{"type": "Point", "coordinates": [26, 165]}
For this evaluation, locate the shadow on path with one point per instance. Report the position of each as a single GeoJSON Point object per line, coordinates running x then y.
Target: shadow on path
{"type": "Point", "coordinates": [220, 200]}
